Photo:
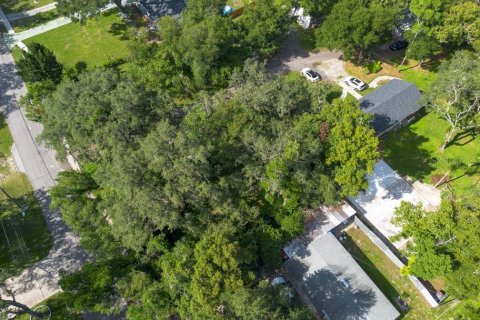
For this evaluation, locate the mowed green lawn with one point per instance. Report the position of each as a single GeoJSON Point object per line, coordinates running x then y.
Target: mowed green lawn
{"type": "Point", "coordinates": [24, 238]}
{"type": "Point", "coordinates": [414, 151]}
{"type": "Point", "coordinates": [9, 6]}
{"type": "Point", "coordinates": [102, 40]}
{"type": "Point", "coordinates": [386, 275]}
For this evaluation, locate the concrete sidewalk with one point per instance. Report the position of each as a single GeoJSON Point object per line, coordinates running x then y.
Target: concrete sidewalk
{"type": "Point", "coordinates": [30, 13]}
{"type": "Point", "coordinates": [39, 281]}
{"type": "Point", "coordinates": [12, 39]}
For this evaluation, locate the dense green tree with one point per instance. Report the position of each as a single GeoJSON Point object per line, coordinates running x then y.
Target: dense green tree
{"type": "Point", "coordinates": [455, 95]}
{"type": "Point", "coordinates": [39, 64]}
{"type": "Point", "coordinates": [352, 145]}
{"type": "Point", "coordinates": [429, 233]}
{"type": "Point", "coordinates": [445, 243]}
{"type": "Point", "coordinates": [356, 26]}
{"type": "Point", "coordinates": [460, 26]}
{"type": "Point", "coordinates": [33, 101]}
{"type": "Point", "coordinates": [80, 10]}
{"type": "Point", "coordinates": [315, 8]}
{"type": "Point", "coordinates": [94, 287]}
{"type": "Point", "coordinates": [216, 270]}
{"type": "Point", "coordinates": [266, 24]}
{"type": "Point", "coordinates": [100, 110]}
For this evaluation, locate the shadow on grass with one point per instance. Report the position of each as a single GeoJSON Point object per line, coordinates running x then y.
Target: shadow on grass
{"type": "Point", "coordinates": [403, 150]}
{"type": "Point", "coordinates": [119, 29]}
{"type": "Point", "coordinates": [25, 237]}
{"type": "Point", "coordinates": [375, 275]}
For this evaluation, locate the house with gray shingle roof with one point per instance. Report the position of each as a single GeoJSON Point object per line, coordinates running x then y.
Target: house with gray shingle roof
{"type": "Point", "coordinates": [155, 9]}
{"type": "Point", "coordinates": [392, 105]}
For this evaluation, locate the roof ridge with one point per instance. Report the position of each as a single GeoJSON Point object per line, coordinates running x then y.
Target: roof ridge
{"type": "Point", "coordinates": [409, 85]}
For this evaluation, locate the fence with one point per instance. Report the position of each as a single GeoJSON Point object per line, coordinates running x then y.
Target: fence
{"type": "Point", "coordinates": [396, 260]}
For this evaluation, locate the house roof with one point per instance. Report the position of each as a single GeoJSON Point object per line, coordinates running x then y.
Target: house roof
{"type": "Point", "coordinates": [331, 281]}
{"type": "Point", "coordinates": [386, 191]}
{"type": "Point", "coordinates": [390, 104]}
{"type": "Point", "coordinates": [158, 8]}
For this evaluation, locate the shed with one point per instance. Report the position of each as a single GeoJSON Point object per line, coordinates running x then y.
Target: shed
{"type": "Point", "coordinates": [333, 285]}
{"type": "Point", "coordinates": [392, 105]}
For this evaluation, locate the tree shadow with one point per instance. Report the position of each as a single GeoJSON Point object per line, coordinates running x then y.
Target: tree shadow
{"type": "Point", "coordinates": [119, 29]}
{"type": "Point", "coordinates": [289, 50]}
{"type": "Point", "coordinates": [403, 150]}
{"type": "Point", "coordinates": [368, 266]}
{"type": "Point", "coordinates": [458, 139]}
{"type": "Point", "coordinates": [332, 293]}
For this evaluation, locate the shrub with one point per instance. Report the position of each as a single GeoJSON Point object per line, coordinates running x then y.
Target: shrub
{"type": "Point", "coordinates": [373, 67]}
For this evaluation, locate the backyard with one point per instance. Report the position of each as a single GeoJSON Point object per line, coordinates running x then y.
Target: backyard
{"type": "Point", "coordinates": [414, 151]}
{"type": "Point", "coordinates": [23, 232]}
{"type": "Point", "coordinates": [103, 40]}
{"type": "Point", "coordinates": [385, 274]}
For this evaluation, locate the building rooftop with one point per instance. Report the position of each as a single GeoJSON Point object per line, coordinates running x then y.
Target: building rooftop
{"type": "Point", "coordinates": [332, 283]}
{"type": "Point", "coordinates": [390, 104]}
{"type": "Point", "coordinates": [386, 190]}
{"type": "Point", "coordinates": [155, 9]}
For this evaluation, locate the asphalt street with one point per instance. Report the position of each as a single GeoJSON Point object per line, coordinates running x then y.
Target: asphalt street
{"type": "Point", "coordinates": [40, 280]}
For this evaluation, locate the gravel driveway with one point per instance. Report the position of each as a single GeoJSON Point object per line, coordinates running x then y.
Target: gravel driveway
{"type": "Point", "coordinates": [292, 57]}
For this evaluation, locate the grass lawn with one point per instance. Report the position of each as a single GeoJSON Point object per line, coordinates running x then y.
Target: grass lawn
{"type": "Point", "coordinates": [413, 151]}
{"type": "Point", "coordinates": [10, 6]}
{"type": "Point", "coordinates": [100, 41]}
{"type": "Point", "coordinates": [59, 309]}
{"type": "Point", "coordinates": [28, 236]}
{"type": "Point", "coordinates": [33, 21]}
{"type": "Point", "coordinates": [238, 3]}
{"type": "Point", "coordinates": [385, 274]}
{"type": "Point", "coordinates": [422, 78]}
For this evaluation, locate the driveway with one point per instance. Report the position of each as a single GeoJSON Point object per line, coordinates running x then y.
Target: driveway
{"type": "Point", "coordinates": [39, 281]}
{"type": "Point", "coordinates": [292, 57]}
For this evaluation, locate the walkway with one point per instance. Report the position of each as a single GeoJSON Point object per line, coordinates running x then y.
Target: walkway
{"type": "Point", "coordinates": [6, 23]}
{"type": "Point", "coordinates": [12, 39]}
{"type": "Point", "coordinates": [30, 13]}
{"type": "Point", "coordinates": [375, 81]}
{"type": "Point", "coordinates": [39, 281]}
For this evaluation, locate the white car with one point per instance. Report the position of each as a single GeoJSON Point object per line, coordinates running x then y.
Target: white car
{"type": "Point", "coordinates": [355, 83]}
{"type": "Point", "coordinates": [311, 75]}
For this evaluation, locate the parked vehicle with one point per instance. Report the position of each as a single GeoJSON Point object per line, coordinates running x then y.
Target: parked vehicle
{"type": "Point", "coordinates": [355, 83]}
{"type": "Point", "coordinates": [399, 45]}
{"type": "Point", "coordinates": [311, 75]}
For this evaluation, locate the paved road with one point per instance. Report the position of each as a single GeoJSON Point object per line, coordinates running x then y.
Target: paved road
{"type": "Point", "coordinates": [4, 20]}
{"type": "Point", "coordinates": [29, 13]}
{"type": "Point", "coordinates": [40, 280]}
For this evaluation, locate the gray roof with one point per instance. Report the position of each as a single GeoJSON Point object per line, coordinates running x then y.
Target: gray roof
{"type": "Point", "coordinates": [332, 281]}
{"type": "Point", "coordinates": [155, 9]}
{"type": "Point", "coordinates": [390, 104]}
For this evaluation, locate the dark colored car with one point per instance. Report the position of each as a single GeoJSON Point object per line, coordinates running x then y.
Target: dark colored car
{"type": "Point", "coordinates": [399, 45]}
